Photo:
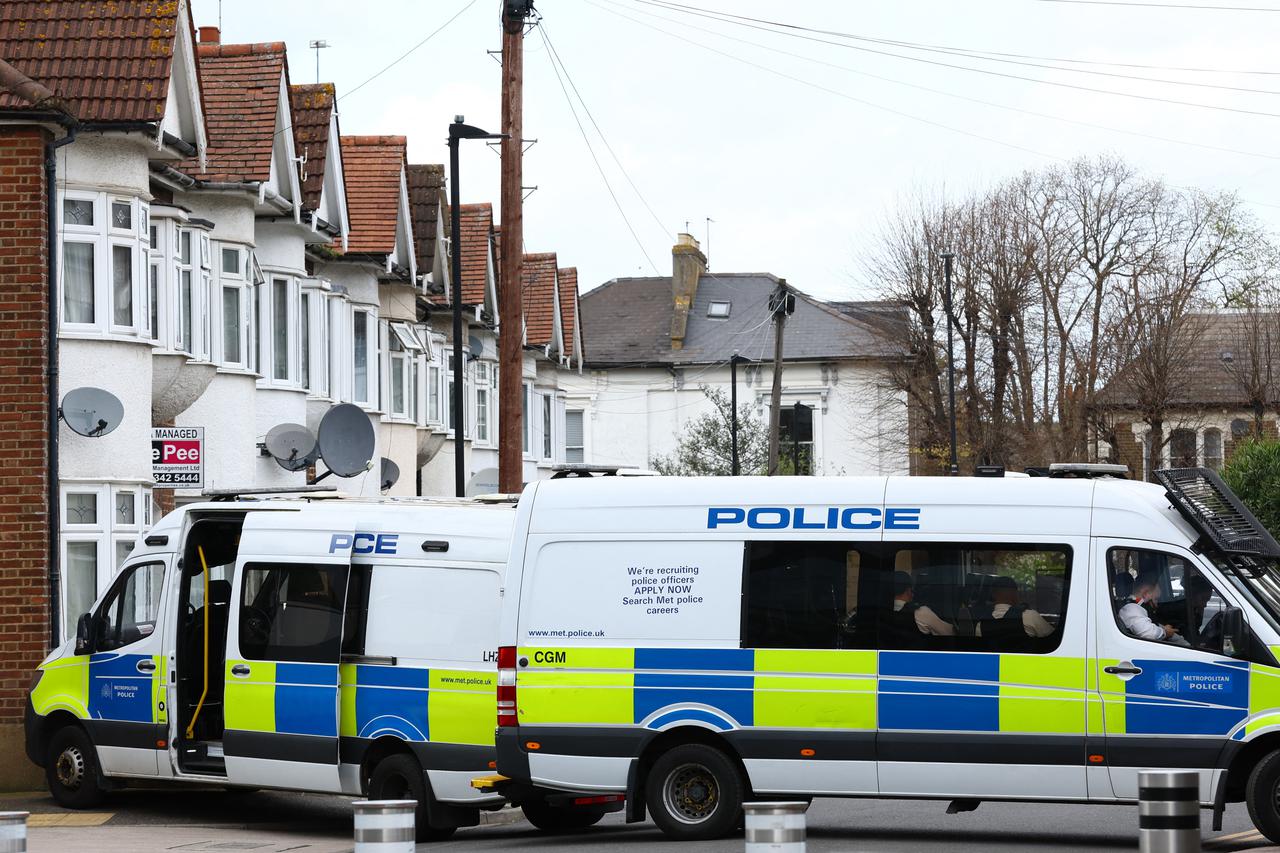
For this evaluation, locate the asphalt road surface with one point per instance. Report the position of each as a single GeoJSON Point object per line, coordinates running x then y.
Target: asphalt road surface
{"type": "Point", "coordinates": [164, 820]}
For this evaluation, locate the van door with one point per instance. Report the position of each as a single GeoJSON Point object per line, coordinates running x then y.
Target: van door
{"type": "Point", "coordinates": [1170, 697]}
{"type": "Point", "coordinates": [283, 648]}
{"type": "Point", "coordinates": [127, 714]}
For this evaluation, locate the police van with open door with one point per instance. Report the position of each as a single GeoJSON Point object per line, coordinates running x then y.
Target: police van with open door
{"type": "Point", "coordinates": [339, 646]}
{"type": "Point", "coordinates": [691, 644]}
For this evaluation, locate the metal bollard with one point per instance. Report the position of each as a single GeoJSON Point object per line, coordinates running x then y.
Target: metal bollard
{"type": "Point", "coordinates": [13, 832]}
{"type": "Point", "coordinates": [385, 826]}
{"type": "Point", "coordinates": [775, 827]}
{"type": "Point", "coordinates": [1168, 811]}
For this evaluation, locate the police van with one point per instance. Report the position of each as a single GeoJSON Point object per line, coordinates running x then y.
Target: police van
{"type": "Point", "coordinates": [340, 646]}
{"type": "Point", "coordinates": [691, 644]}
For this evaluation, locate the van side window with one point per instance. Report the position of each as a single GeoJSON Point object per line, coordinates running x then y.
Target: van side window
{"type": "Point", "coordinates": [131, 611]}
{"type": "Point", "coordinates": [1164, 598]}
{"type": "Point", "coordinates": [292, 612]}
{"type": "Point", "coordinates": [357, 612]}
{"type": "Point", "coordinates": [972, 597]}
{"type": "Point", "coordinates": [809, 595]}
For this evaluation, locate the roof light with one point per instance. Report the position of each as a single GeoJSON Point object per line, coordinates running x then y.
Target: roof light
{"type": "Point", "coordinates": [719, 310]}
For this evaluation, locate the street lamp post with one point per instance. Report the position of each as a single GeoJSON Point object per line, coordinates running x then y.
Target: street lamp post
{"type": "Point", "coordinates": [457, 131]}
{"type": "Point", "coordinates": [947, 257]}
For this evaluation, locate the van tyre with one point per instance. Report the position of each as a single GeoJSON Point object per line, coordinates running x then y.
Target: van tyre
{"type": "Point", "coordinates": [72, 770]}
{"type": "Point", "coordinates": [551, 818]}
{"type": "Point", "coordinates": [1263, 796]}
{"type": "Point", "coordinates": [695, 793]}
{"type": "Point", "coordinates": [399, 777]}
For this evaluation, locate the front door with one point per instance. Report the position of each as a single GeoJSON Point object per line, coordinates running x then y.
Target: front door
{"type": "Point", "coordinates": [128, 720]}
{"type": "Point", "coordinates": [283, 646]}
{"type": "Point", "coordinates": [1170, 697]}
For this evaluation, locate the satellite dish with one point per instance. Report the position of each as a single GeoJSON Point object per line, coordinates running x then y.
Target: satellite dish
{"type": "Point", "coordinates": [476, 346]}
{"type": "Point", "coordinates": [91, 411]}
{"type": "Point", "coordinates": [292, 446]}
{"type": "Point", "coordinates": [390, 474]}
{"type": "Point", "coordinates": [346, 440]}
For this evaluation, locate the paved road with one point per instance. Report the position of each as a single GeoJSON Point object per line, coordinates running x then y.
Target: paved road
{"type": "Point", "coordinates": [266, 822]}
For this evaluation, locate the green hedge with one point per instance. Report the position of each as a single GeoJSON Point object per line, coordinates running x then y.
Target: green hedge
{"type": "Point", "coordinates": [1254, 475]}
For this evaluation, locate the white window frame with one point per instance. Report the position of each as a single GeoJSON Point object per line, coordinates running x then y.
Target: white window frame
{"type": "Point", "coordinates": [368, 399]}
{"type": "Point", "coordinates": [546, 427]}
{"type": "Point", "coordinates": [267, 355]}
{"type": "Point", "coordinates": [581, 412]}
{"type": "Point", "coordinates": [105, 238]}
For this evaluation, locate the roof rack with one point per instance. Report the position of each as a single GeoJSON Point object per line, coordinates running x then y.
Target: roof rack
{"type": "Point", "coordinates": [562, 472]}
{"type": "Point", "coordinates": [312, 491]}
{"type": "Point", "coordinates": [1081, 470]}
{"type": "Point", "coordinates": [1213, 509]}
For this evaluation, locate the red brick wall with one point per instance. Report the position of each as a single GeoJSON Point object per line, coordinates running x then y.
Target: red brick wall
{"type": "Point", "coordinates": [24, 469]}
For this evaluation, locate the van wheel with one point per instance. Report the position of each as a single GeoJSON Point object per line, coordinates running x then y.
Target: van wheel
{"type": "Point", "coordinates": [695, 793]}
{"type": "Point", "coordinates": [71, 768]}
{"type": "Point", "coordinates": [1263, 796]}
{"type": "Point", "coordinates": [398, 777]}
{"type": "Point", "coordinates": [550, 818]}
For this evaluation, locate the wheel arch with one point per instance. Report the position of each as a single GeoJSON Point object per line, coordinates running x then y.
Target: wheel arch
{"type": "Point", "coordinates": [666, 740]}
{"type": "Point", "coordinates": [380, 749]}
{"type": "Point", "coordinates": [1245, 759]}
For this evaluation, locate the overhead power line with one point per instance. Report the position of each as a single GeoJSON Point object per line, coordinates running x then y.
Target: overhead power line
{"type": "Point", "coordinates": [754, 23]}
{"type": "Point", "coordinates": [945, 50]}
{"type": "Point", "coordinates": [592, 151]}
{"type": "Point", "coordinates": [967, 98]}
{"type": "Point", "coordinates": [839, 94]}
{"type": "Point", "coordinates": [1192, 6]}
{"type": "Point", "coordinates": [559, 61]}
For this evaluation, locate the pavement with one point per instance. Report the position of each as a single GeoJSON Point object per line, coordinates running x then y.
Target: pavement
{"type": "Point", "coordinates": [162, 820]}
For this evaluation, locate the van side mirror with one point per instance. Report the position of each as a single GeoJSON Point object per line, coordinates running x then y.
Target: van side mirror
{"type": "Point", "coordinates": [84, 630]}
{"type": "Point", "coordinates": [1233, 631]}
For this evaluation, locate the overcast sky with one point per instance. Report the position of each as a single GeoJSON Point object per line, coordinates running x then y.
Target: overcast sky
{"type": "Point", "coordinates": [800, 163]}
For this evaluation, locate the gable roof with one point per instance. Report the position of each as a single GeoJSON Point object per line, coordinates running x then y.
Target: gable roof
{"type": "Point", "coordinates": [109, 61]}
{"type": "Point", "coordinates": [476, 223]}
{"type": "Point", "coordinates": [241, 84]}
{"type": "Point", "coordinates": [1204, 377]}
{"type": "Point", "coordinates": [538, 298]}
{"type": "Point", "coordinates": [628, 322]}
{"type": "Point", "coordinates": [568, 277]}
{"type": "Point", "coordinates": [312, 109]}
{"type": "Point", "coordinates": [373, 166]}
{"type": "Point", "coordinates": [426, 203]}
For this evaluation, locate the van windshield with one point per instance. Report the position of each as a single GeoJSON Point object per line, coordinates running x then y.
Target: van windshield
{"type": "Point", "coordinates": [1258, 580]}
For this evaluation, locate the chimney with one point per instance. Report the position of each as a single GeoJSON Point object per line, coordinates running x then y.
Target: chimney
{"type": "Point", "coordinates": [210, 35]}
{"type": "Point", "coordinates": [687, 263]}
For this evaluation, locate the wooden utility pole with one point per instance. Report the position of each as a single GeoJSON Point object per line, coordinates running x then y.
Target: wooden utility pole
{"type": "Point", "coordinates": [510, 308]}
{"type": "Point", "coordinates": [779, 303]}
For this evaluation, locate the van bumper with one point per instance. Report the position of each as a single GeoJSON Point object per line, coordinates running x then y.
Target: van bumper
{"type": "Point", "coordinates": [31, 726]}
{"type": "Point", "coordinates": [513, 760]}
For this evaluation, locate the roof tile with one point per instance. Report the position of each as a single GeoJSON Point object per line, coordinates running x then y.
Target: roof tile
{"type": "Point", "coordinates": [568, 277]}
{"type": "Point", "coordinates": [537, 295]}
{"type": "Point", "coordinates": [312, 108]}
{"type": "Point", "coordinates": [242, 97]}
{"type": "Point", "coordinates": [373, 166]}
{"type": "Point", "coordinates": [110, 61]}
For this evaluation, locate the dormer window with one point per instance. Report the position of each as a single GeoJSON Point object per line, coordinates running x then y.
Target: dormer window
{"type": "Point", "coordinates": [719, 310]}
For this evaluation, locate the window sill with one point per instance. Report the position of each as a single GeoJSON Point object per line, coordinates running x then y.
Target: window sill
{"type": "Point", "coordinates": [403, 420]}
{"type": "Point", "coordinates": [238, 371]}
{"type": "Point", "coordinates": [115, 337]}
{"type": "Point", "coordinates": [267, 385]}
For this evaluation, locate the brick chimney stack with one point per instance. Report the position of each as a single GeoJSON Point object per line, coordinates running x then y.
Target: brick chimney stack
{"type": "Point", "coordinates": [210, 35]}
{"type": "Point", "coordinates": [687, 264]}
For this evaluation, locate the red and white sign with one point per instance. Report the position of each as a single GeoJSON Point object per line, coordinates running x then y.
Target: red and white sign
{"type": "Point", "coordinates": [177, 457]}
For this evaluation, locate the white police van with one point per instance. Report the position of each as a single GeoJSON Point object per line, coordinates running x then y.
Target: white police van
{"type": "Point", "coordinates": [341, 645]}
{"type": "Point", "coordinates": [692, 644]}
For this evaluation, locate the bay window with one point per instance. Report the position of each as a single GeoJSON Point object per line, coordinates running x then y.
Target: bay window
{"type": "Point", "coordinates": [433, 395]}
{"type": "Point", "coordinates": [279, 308]}
{"type": "Point", "coordinates": [104, 270]}
{"type": "Point", "coordinates": [364, 357]}
{"type": "Point", "coordinates": [546, 425]}
{"type": "Point", "coordinates": [101, 524]}
{"type": "Point", "coordinates": [231, 291]}
{"type": "Point", "coordinates": [484, 394]}
{"type": "Point", "coordinates": [314, 334]}
{"type": "Point", "coordinates": [280, 330]}
{"type": "Point", "coordinates": [403, 352]}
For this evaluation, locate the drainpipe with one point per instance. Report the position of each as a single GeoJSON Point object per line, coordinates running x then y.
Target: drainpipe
{"type": "Point", "coordinates": [55, 508]}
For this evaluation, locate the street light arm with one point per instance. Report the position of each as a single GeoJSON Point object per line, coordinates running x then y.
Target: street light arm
{"type": "Point", "coordinates": [457, 130]}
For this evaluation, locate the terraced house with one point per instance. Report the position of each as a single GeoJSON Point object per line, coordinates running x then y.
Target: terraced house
{"type": "Point", "coordinates": [189, 231]}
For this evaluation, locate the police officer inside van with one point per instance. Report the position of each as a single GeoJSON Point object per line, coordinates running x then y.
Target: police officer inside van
{"type": "Point", "coordinates": [1138, 609]}
{"type": "Point", "coordinates": [1004, 591]}
{"type": "Point", "coordinates": [907, 615]}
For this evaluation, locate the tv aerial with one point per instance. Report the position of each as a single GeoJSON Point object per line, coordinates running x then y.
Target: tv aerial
{"type": "Point", "coordinates": [345, 441]}
{"type": "Point", "coordinates": [91, 412]}
{"type": "Point", "coordinates": [292, 446]}
{"type": "Point", "coordinates": [390, 474]}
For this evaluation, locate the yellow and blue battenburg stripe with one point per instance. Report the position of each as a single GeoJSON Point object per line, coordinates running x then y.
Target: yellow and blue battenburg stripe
{"type": "Point", "coordinates": [868, 690]}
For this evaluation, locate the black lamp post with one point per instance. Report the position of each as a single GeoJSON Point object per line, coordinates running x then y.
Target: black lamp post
{"type": "Point", "coordinates": [947, 257]}
{"type": "Point", "coordinates": [457, 131]}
